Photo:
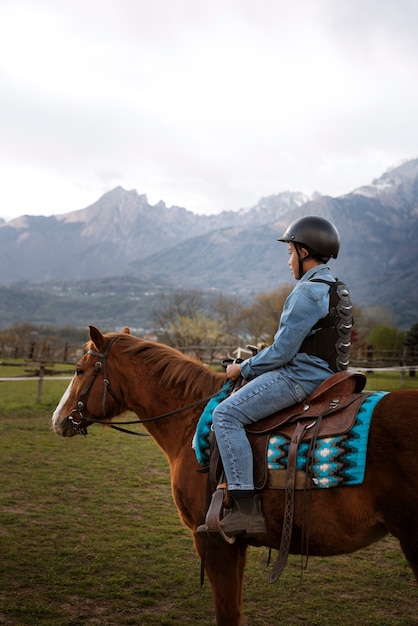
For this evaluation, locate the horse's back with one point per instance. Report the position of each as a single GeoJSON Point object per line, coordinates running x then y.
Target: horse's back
{"type": "Point", "coordinates": [394, 427]}
{"type": "Point", "coordinates": [392, 455]}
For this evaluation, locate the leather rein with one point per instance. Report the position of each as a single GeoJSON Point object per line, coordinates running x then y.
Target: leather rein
{"type": "Point", "coordinates": [81, 403]}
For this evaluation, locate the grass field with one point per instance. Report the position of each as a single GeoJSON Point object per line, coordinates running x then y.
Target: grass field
{"type": "Point", "coordinates": [89, 536]}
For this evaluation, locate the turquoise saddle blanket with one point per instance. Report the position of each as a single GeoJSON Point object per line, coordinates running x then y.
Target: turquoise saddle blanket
{"type": "Point", "coordinates": [337, 461]}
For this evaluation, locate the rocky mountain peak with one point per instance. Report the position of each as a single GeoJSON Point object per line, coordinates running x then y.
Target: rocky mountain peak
{"type": "Point", "coordinates": [123, 235]}
{"type": "Point", "coordinates": [398, 186]}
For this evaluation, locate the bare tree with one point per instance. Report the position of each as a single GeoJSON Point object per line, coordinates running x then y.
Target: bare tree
{"type": "Point", "coordinates": [262, 318]}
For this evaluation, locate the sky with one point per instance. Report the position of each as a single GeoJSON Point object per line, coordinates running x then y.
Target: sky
{"type": "Point", "coordinates": [205, 105]}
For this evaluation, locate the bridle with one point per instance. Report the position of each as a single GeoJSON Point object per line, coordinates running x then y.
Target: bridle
{"type": "Point", "coordinates": [80, 426]}
{"type": "Point", "coordinates": [81, 403]}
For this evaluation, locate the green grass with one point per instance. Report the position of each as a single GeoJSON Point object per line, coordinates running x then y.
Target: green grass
{"type": "Point", "coordinates": [20, 396]}
{"type": "Point", "coordinates": [89, 536]}
{"type": "Point", "coordinates": [389, 381]}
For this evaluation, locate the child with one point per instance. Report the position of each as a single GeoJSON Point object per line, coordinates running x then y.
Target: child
{"type": "Point", "coordinates": [311, 343]}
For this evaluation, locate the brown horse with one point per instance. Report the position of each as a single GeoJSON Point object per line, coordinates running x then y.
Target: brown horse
{"type": "Point", "coordinates": [121, 372]}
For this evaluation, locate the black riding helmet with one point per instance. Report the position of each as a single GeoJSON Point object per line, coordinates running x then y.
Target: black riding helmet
{"type": "Point", "coordinates": [317, 234]}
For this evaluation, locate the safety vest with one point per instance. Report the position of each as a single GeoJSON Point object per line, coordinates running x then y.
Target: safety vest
{"type": "Point", "coordinates": [331, 339]}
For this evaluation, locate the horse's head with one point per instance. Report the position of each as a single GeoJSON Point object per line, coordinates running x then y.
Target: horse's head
{"type": "Point", "coordinates": [89, 396]}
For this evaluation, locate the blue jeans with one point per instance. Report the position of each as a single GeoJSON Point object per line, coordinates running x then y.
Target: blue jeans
{"type": "Point", "coordinates": [259, 398]}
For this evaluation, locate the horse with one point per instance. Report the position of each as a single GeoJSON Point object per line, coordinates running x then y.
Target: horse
{"type": "Point", "coordinates": [167, 390]}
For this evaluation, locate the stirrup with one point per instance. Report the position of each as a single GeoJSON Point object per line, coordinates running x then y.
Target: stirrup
{"type": "Point", "coordinates": [212, 525]}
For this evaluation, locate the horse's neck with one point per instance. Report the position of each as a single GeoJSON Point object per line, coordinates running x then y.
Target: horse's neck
{"type": "Point", "coordinates": [157, 382]}
{"type": "Point", "coordinates": [174, 433]}
{"type": "Point", "coordinates": [177, 415]}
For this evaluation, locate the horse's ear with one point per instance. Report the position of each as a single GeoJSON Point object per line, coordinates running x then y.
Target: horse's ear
{"type": "Point", "coordinates": [126, 330]}
{"type": "Point", "coordinates": [96, 336]}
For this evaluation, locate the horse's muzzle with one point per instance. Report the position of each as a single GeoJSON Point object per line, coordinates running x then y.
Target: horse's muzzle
{"type": "Point", "coordinates": [69, 427]}
{"type": "Point", "coordinates": [78, 427]}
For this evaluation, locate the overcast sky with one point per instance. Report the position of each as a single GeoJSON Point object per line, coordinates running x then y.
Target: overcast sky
{"type": "Point", "coordinates": [206, 105]}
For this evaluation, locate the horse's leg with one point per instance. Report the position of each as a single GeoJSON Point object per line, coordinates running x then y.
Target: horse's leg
{"type": "Point", "coordinates": [410, 549]}
{"type": "Point", "coordinates": [393, 455]}
{"type": "Point", "coordinates": [403, 525]}
{"type": "Point", "coordinates": [224, 567]}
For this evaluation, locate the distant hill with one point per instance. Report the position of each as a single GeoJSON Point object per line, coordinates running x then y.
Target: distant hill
{"type": "Point", "coordinates": [117, 230]}
{"type": "Point", "coordinates": [121, 245]}
{"type": "Point", "coordinates": [105, 302]}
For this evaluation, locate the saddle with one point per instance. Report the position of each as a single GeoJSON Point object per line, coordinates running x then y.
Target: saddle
{"type": "Point", "coordinates": [329, 411]}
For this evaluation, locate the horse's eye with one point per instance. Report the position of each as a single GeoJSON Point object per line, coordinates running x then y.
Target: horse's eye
{"type": "Point", "coordinates": [78, 371]}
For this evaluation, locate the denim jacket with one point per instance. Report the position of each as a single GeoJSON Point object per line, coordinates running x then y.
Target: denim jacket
{"type": "Point", "coordinates": [304, 307]}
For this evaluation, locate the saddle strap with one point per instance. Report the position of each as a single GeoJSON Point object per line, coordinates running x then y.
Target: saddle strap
{"type": "Point", "coordinates": [289, 503]}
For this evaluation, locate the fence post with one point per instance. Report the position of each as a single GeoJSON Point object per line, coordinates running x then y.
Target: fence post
{"type": "Point", "coordinates": [370, 357]}
{"type": "Point", "coordinates": [40, 382]}
{"type": "Point", "coordinates": [403, 364]}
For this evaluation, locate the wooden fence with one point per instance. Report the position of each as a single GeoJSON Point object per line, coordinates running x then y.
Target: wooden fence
{"type": "Point", "coordinates": [44, 370]}
{"type": "Point", "coordinates": [40, 371]}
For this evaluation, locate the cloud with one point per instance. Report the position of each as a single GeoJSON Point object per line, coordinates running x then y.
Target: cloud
{"type": "Point", "coordinates": [208, 106]}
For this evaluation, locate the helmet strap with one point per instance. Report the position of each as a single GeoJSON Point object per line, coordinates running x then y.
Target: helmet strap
{"type": "Point", "coordinates": [301, 259]}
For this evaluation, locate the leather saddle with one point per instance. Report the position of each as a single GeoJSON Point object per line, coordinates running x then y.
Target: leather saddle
{"type": "Point", "coordinates": [329, 411]}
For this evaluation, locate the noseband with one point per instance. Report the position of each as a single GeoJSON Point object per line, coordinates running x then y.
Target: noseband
{"type": "Point", "coordinates": [81, 404]}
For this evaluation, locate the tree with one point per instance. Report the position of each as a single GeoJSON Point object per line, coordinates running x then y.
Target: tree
{"type": "Point", "coordinates": [261, 318]}
{"type": "Point", "coordinates": [228, 310]}
{"type": "Point", "coordinates": [386, 340]}
{"type": "Point", "coordinates": [368, 318]}
{"type": "Point", "coordinates": [179, 303]}
{"type": "Point", "coordinates": [196, 333]}
{"type": "Point", "coordinates": [411, 337]}
{"type": "Point", "coordinates": [195, 321]}
{"type": "Point", "coordinates": [40, 342]}
{"type": "Point", "coordinates": [411, 346]}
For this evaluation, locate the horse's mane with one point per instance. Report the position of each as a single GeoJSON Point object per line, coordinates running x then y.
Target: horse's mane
{"type": "Point", "coordinates": [172, 367]}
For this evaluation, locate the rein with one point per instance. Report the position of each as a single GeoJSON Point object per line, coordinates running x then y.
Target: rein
{"type": "Point", "coordinates": [82, 401]}
{"type": "Point", "coordinates": [148, 419]}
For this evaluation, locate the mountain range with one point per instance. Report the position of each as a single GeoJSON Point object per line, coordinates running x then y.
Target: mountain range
{"type": "Point", "coordinates": [108, 263]}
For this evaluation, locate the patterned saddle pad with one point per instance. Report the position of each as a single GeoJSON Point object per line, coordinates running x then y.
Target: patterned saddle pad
{"type": "Point", "coordinates": [337, 461]}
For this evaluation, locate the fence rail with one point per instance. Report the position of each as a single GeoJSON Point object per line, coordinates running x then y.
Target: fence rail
{"type": "Point", "coordinates": [17, 378]}
{"type": "Point", "coordinates": [44, 369]}
{"type": "Point", "coordinates": [47, 372]}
